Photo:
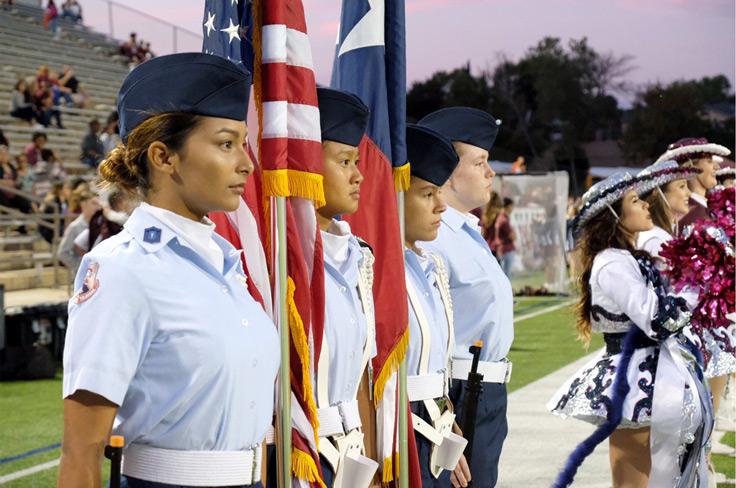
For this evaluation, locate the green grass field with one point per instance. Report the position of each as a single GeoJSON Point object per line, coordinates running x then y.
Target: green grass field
{"type": "Point", "coordinates": [31, 412]}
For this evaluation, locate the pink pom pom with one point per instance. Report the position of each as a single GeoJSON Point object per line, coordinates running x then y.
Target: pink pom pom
{"type": "Point", "coordinates": [703, 258]}
{"type": "Point", "coordinates": [722, 207]}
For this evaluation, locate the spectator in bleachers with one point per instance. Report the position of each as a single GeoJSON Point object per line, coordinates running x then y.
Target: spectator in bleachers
{"type": "Point", "coordinates": [43, 101]}
{"type": "Point", "coordinates": [144, 52]}
{"type": "Point", "coordinates": [25, 174]}
{"type": "Point", "coordinates": [21, 103]}
{"type": "Point", "coordinates": [72, 186]}
{"type": "Point", "coordinates": [129, 48]}
{"type": "Point", "coordinates": [59, 91]}
{"type": "Point", "coordinates": [488, 220]}
{"type": "Point", "coordinates": [88, 205]}
{"type": "Point", "coordinates": [92, 149]}
{"type": "Point", "coordinates": [42, 73]}
{"type": "Point", "coordinates": [110, 137]}
{"type": "Point", "coordinates": [6, 4]}
{"type": "Point", "coordinates": [108, 221]}
{"type": "Point", "coordinates": [69, 80]}
{"type": "Point", "coordinates": [52, 203]}
{"type": "Point", "coordinates": [136, 50]}
{"type": "Point", "coordinates": [505, 238]}
{"type": "Point", "coordinates": [47, 172]}
{"type": "Point", "coordinates": [71, 10]}
{"type": "Point", "coordinates": [33, 150]}
{"type": "Point", "coordinates": [3, 139]}
{"type": "Point", "coordinates": [9, 178]}
{"type": "Point", "coordinates": [51, 165]}
{"type": "Point", "coordinates": [50, 19]}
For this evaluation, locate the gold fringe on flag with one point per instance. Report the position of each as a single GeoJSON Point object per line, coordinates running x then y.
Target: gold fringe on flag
{"type": "Point", "coordinates": [299, 338]}
{"type": "Point", "coordinates": [294, 183]}
{"type": "Point", "coordinates": [387, 474]}
{"type": "Point", "coordinates": [304, 467]}
{"type": "Point", "coordinates": [390, 366]}
{"type": "Point", "coordinates": [402, 177]}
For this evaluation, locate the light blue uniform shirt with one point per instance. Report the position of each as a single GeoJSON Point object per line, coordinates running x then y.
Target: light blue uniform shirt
{"type": "Point", "coordinates": [420, 271]}
{"type": "Point", "coordinates": [346, 327]}
{"type": "Point", "coordinates": [182, 348]}
{"type": "Point", "coordinates": [482, 298]}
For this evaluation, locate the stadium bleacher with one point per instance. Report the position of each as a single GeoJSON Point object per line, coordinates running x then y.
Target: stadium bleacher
{"type": "Point", "coordinates": [27, 275]}
{"type": "Point", "coordinates": [24, 45]}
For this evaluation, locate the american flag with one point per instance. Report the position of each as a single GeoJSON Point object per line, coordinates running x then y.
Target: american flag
{"type": "Point", "coordinates": [275, 44]}
{"type": "Point", "coordinates": [227, 32]}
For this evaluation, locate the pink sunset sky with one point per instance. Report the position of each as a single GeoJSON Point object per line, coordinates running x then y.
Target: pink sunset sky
{"type": "Point", "coordinates": [669, 39]}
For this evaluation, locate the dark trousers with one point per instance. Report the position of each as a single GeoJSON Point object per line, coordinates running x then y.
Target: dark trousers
{"type": "Point", "coordinates": [424, 452]}
{"type": "Point", "coordinates": [328, 476]}
{"type": "Point", "coordinates": [26, 113]}
{"type": "Point", "coordinates": [490, 430]}
{"type": "Point", "coordinates": [136, 483]}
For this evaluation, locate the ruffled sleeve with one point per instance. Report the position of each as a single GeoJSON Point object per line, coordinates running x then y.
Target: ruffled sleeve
{"type": "Point", "coordinates": [657, 314]}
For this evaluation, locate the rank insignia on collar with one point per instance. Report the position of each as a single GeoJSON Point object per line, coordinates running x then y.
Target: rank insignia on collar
{"type": "Point", "coordinates": [152, 235]}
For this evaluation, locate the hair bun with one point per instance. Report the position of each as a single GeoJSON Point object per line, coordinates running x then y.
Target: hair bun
{"type": "Point", "coordinates": [117, 169]}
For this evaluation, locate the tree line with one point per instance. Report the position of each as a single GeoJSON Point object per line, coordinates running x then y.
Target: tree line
{"type": "Point", "coordinates": [558, 97]}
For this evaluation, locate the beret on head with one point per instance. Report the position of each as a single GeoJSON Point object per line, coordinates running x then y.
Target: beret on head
{"type": "Point", "coordinates": [431, 155]}
{"type": "Point", "coordinates": [464, 124]}
{"type": "Point", "coordinates": [194, 83]}
{"type": "Point", "coordinates": [343, 116]}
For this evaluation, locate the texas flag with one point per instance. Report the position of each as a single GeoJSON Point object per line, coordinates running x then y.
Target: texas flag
{"type": "Point", "coordinates": [370, 61]}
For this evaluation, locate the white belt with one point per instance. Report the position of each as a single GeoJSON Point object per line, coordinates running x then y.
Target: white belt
{"type": "Point", "coordinates": [493, 372]}
{"type": "Point", "coordinates": [425, 387]}
{"type": "Point", "coordinates": [192, 468]}
{"type": "Point", "coordinates": [339, 419]}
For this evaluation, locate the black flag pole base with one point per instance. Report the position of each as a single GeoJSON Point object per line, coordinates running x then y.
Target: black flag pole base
{"type": "Point", "coordinates": [114, 452]}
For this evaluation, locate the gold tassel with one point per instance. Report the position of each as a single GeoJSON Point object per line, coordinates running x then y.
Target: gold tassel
{"type": "Point", "coordinates": [294, 183]}
{"type": "Point", "coordinates": [299, 339]}
{"type": "Point", "coordinates": [387, 474]}
{"type": "Point", "coordinates": [402, 177]}
{"type": "Point", "coordinates": [304, 467]}
{"type": "Point", "coordinates": [390, 367]}
{"type": "Point", "coordinates": [276, 183]}
{"type": "Point", "coordinates": [304, 184]}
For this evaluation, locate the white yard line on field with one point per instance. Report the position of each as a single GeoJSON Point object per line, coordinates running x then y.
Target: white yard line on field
{"type": "Point", "coordinates": [544, 311]}
{"type": "Point", "coordinates": [28, 471]}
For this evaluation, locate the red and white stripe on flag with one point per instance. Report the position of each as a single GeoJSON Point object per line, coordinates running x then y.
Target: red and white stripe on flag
{"type": "Point", "coordinates": [290, 151]}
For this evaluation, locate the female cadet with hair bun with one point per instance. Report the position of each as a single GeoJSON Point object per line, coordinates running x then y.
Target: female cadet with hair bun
{"type": "Point", "coordinates": [165, 346]}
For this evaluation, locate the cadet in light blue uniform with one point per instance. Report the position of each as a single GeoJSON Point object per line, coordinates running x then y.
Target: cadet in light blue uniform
{"type": "Point", "coordinates": [433, 160]}
{"type": "Point", "coordinates": [349, 330]}
{"type": "Point", "coordinates": [481, 293]}
{"type": "Point", "coordinates": [165, 345]}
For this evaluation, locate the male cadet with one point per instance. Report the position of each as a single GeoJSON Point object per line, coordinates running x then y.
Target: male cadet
{"type": "Point", "coordinates": [481, 293]}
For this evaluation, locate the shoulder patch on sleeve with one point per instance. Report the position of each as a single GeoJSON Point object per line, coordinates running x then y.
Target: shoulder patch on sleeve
{"type": "Point", "coordinates": [90, 284]}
